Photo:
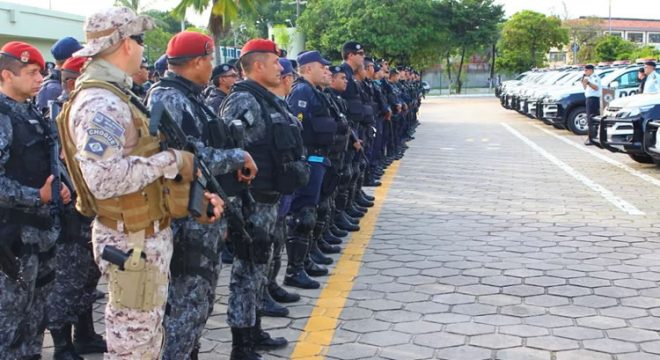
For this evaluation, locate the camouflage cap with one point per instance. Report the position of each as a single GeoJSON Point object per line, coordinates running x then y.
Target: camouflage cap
{"type": "Point", "coordinates": [108, 27]}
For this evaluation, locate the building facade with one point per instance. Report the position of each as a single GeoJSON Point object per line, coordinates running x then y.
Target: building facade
{"type": "Point", "coordinates": [39, 27]}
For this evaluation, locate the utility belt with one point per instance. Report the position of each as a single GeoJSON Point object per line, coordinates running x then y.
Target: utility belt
{"type": "Point", "coordinates": [319, 151]}
{"type": "Point", "coordinates": [158, 225]}
{"type": "Point", "coordinates": [187, 260]}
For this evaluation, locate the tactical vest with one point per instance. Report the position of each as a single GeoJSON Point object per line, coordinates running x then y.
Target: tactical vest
{"type": "Point", "coordinates": [319, 131]}
{"type": "Point", "coordinates": [340, 139]}
{"type": "Point", "coordinates": [157, 202]}
{"type": "Point", "coordinates": [215, 132]}
{"type": "Point", "coordinates": [280, 155]}
{"type": "Point", "coordinates": [29, 163]}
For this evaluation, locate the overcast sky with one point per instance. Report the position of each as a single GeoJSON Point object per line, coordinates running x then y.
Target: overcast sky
{"type": "Point", "coordinates": [573, 8]}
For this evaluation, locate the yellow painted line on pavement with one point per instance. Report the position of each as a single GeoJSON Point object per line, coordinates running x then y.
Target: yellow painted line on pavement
{"type": "Point", "coordinates": [315, 340]}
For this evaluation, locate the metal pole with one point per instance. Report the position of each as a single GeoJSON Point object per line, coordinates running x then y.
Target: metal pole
{"type": "Point", "coordinates": [297, 9]}
{"type": "Point", "coordinates": [610, 21]}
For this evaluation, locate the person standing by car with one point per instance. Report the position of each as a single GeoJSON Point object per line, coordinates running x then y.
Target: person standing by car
{"type": "Point", "coordinates": [652, 83]}
{"type": "Point", "coordinates": [641, 77]}
{"type": "Point", "coordinates": [592, 93]}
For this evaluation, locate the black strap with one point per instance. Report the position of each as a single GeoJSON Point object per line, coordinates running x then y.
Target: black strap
{"type": "Point", "coordinates": [45, 279]}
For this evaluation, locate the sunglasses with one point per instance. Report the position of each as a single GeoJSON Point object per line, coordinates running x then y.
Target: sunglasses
{"type": "Point", "coordinates": [139, 39]}
{"type": "Point", "coordinates": [361, 52]}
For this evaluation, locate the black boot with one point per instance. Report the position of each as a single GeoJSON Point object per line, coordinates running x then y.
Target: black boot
{"type": "Point", "coordinates": [85, 339]}
{"type": "Point", "coordinates": [359, 208]}
{"type": "Point", "coordinates": [364, 195]}
{"type": "Point", "coordinates": [296, 275]}
{"type": "Point", "coordinates": [352, 220]}
{"type": "Point", "coordinates": [343, 224]}
{"type": "Point", "coordinates": [336, 231]}
{"type": "Point", "coordinates": [327, 248]}
{"type": "Point", "coordinates": [271, 307]}
{"type": "Point", "coordinates": [64, 349]}
{"type": "Point", "coordinates": [314, 269]}
{"type": "Point", "coordinates": [331, 239]}
{"type": "Point", "coordinates": [262, 339]}
{"type": "Point", "coordinates": [354, 213]}
{"type": "Point", "coordinates": [242, 345]}
{"type": "Point", "coordinates": [317, 256]}
{"type": "Point", "coordinates": [282, 296]}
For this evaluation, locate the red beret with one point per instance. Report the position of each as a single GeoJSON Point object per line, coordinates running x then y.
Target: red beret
{"type": "Point", "coordinates": [25, 53]}
{"type": "Point", "coordinates": [189, 44]}
{"type": "Point", "coordinates": [74, 64]}
{"type": "Point", "coordinates": [260, 45]}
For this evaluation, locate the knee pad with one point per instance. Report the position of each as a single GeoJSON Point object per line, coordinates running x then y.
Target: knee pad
{"type": "Point", "coordinates": [305, 220]}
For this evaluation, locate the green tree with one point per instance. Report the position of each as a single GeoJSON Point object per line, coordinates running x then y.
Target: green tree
{"type": "Point", "coordinates": [526, 37]}
{"type": "Point", "coordinates": [403, 31]}
{"type": "Point", "coordinates": [131, 4]}
{"type": "Point", "coordinates": [473, 26]}
{"type": "Point", "coordinates": [645, 52]}
{"type": "Point", "coordinates": [585, 32]}
{"type": "Point", "coordinates": [155, 43]}
{"type": "Point", "coordinates": [610, 48]}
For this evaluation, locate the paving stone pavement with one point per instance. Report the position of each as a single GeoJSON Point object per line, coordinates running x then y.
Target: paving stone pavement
{"type": "Point", "coordinates": [486, 250]}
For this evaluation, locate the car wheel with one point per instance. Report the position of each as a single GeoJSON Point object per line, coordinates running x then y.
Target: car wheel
{"type": "Point", "coordinates": [577, 121]}
{"type": "Point", "coordinates": [641, 158]}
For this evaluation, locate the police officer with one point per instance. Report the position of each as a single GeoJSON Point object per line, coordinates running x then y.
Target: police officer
{"type": "Point", "coordinates": [334, 176]}
{"type": "Point", "coordinates": [641, 78]}
{"type": "Point", "coordinates": [74, 289]}
{"type": "Point", "coordinates": [592, 93]}
{"type": "Point", "coordinates": [29, 223]}
{"type": "Point", "coordinates": [195, 267]}
{"type": "Point", "coordinates": [224, 76]}
{"type": "Point", "coordinates": [140, 78]}
{"type": "Point", "coordinates": [353, 55]}
{"type": "Point", "coordinates": [311, 108]}
{"type": "Point", "coordinates": [276, 148]}
{"type": "Point", "coordinates": [652, 82]}
{"type": "Point", "coordinates": [122, 177]}
{"type": "Point", "coordinates": [274, 293]}
{"type": "Point", "coordinates": [51, 87]}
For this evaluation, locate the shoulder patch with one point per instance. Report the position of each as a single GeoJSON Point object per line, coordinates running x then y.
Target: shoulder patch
{"type": "Point", "coordinates": [302, 103]}
{"type": "Point", "coordinates": [108, 124]}
{"type": "Point", "coordinates": [109, 138]}
{"type": "Point", "coordinates": [95, 147]}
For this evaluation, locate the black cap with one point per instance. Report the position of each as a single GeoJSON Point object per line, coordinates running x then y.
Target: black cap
{"type": "Point", "coordinates": [232, 62]}
{"type": "Point", "coordinates": [589, 67]}
{"type": "Point", "coordinates": [369, 61]}
{"type": "Point", "coordinates": [393, 71]}
{"type": "Point", "coordinates": [294, 63]}
{"type": "Point", "coordinates": [352, 47]}
{"type": "Point", "coordinates": [221, 70]}
{"type": "Point", "coordinates": [650, 63]}
{"type": "Point", "coordinates": [336, 70]}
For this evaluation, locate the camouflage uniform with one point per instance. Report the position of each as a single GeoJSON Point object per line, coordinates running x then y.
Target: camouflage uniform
{"type": "Point", "coordinates": [23, 301]}
{"type": "Point", "coordinates": [194, 277]}
{"type": "Point", "coordinates": [248, 278]}
{"type": "Point", "coordinates": [214, 97]}
{"type": "Point", "coordinates": [109, 172]}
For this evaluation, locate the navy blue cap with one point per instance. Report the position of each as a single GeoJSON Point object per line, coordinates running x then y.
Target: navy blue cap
{"type": "Point", "coordinates": [352, 47]}
{"type": "Point", "coordinates": [221, 69]}
{"type": "Point", "coordinates": [310, 57]}
{"type": "Point", "coordinates": [650, 63]}
{"type": "Point", "coordinates": [337, 69]}
{"type": "Point", "coordinates": [161, 64]}
{"type": "Point", "coordinates": [287, 67]}
{"type": "Point", "coordinates": [589, 67]}
{"type": "Point", "coordinates": [64, 48]}
{"type": "Point", "coordinates": [377, 68]}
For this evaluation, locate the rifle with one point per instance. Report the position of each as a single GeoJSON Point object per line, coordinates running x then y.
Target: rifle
{"type": "Point", "coordinates": [173, 137]}
{"type": "Point", "coordinates": [353, 139]}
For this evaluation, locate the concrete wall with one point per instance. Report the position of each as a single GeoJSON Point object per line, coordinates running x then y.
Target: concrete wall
{"type": "Point", "coordinates": [40, 27]}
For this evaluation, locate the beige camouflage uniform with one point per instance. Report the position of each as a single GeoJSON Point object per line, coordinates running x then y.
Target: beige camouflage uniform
{"type": "Point", "coordinates": [110, 172]}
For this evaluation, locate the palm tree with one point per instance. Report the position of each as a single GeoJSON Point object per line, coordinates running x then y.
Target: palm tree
{"type": "Point", "coordinates": [131, 4]}
{"type": "Point", "coordinates": [223, 13]}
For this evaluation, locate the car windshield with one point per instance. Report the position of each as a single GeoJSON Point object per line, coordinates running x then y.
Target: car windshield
{"type": "Point", "coordinates": [614, 75]}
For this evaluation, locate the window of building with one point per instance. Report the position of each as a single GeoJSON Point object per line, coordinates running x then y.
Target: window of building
{"type": "Point", "coordinates": [556, 56]}
{"type": "Point", "coordinates": [616, 33]}
{"type": "Point", "coordinates": [654, 38]}
{"type": "Point", "coordinates": [636, 37]}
